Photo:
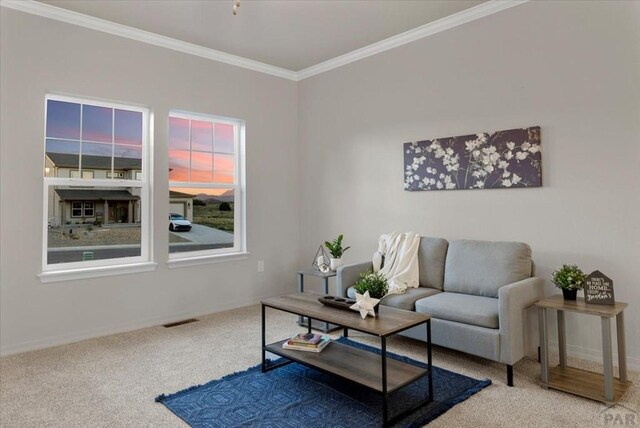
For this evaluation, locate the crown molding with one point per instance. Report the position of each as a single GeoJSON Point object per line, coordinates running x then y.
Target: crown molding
{"type": "Point", "coordinates": [75, 18]}
{"type": "Point", "coordinates": [451, 21]}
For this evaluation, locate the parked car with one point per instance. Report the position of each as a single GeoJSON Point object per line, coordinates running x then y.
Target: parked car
{"type": "Point", "coordinates": [178, 223]}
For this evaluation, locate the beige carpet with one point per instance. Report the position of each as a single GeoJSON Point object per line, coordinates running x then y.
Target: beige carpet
{"type": "Point", "coordinates": [112, 381]}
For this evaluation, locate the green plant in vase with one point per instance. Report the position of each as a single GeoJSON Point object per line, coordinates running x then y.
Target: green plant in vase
{"type": "Point", "coordinates": [336, 251]}
{"type": "Point", "coordinates": [570, 279]}
{"type": "Point", "coordinates": [375, 283]}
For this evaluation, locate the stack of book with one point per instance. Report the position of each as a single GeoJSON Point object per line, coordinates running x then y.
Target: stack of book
{"type": "Point", "coordinates": [309, 342]}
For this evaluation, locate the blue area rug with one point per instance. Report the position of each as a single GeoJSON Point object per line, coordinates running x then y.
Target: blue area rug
{"type": "Point", "coordinates": [294, 396]}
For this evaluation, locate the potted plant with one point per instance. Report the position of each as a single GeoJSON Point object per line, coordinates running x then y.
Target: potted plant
{"type": "Point", "coordinates": [570, 279]}
{"type": "Point", "coordinates": [375, 283]}
{"type": "Point", "coordinates": [336, 250]}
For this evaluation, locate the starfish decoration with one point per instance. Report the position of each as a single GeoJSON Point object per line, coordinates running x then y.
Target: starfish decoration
{"type": "Point", "coordinates": [365, 304]}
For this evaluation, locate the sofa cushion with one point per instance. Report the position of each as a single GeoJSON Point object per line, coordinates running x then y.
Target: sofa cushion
{"type": "Point", "coordinates": [431, 257]}
{"type": "Point", "coordinates": [482, 267]}
{"type": "Point", "coordinates": [464, 308]}
{"type": "Point", "coordinates": [405, 300]}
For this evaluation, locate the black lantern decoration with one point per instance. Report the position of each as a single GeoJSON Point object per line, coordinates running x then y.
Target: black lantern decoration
{"type": "Point", "coordinates": [321, 260]}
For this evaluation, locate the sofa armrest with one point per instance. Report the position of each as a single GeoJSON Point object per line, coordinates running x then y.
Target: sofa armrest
{"type": "Point", "coordinates": [347, 275]}
{"type": "Point", "coordinates": [513, 299]}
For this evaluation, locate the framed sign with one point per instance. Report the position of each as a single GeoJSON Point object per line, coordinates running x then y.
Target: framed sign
{"type": "Point", "coordinates": [598, 289]}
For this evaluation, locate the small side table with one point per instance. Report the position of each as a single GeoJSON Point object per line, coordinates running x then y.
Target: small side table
{"type": "Point", "coordinates": [596, 386]}
{"type": "Point", "coordinates": [315, 324]}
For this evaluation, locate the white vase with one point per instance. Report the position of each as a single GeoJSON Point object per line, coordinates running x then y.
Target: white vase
{"type": "Point", "coordinates": [335, 263]}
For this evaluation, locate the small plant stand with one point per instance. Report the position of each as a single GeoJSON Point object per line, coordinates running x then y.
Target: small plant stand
{"type": "Point", "coordinates": [596, 386]}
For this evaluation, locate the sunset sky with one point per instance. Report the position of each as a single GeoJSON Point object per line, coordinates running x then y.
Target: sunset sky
{"type": "Point", "coordinates": [199, 151]}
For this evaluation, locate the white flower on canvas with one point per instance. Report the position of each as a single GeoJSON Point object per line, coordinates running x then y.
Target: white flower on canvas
{"type": "Point", "coordinates": [506, 183]}
{"type": "Point", "coordinates": [516, 179]}
{"type": "Point", "coordinates": [471, 144]}
{"type": "Point", "coordinates": [439, 152]}
{"type": "Point", "coordinates": [521, 155]}
{"type": "Point", "coordinates": [508, 155]}
{"type": "Point", "coordinates": [511, 145]}
{"type": "Point", "coordinates": [489, 150]}
{"type": "Point", "coordinates": [535, 148]}
{"type": "Point", "coordinates": [506, 173]}
{"type": "Point", "coordinates": [525, 146]}
{"type": "Point", "coordinates": [439, 184]}
{"type": "Point", "coordinates": [480, 184]}
{"type": "Point", "coordinates": [503, 165]}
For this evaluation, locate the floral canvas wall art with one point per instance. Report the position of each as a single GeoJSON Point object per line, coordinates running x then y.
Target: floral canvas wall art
{"type": "Point", "coordinates": [489, 160]}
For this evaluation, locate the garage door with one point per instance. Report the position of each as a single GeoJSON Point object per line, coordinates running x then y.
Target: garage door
{"type": "Point", "coordinates": [177, 208]}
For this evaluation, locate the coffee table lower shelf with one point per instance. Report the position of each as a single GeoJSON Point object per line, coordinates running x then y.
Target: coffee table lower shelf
{"type": "Point", "coordinates": [354, 364]}
{"type": "Point", "coordinates": [584, 383]}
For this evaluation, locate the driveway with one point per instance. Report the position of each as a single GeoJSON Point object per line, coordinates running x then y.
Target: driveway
{"type": "Point", "coordinates": [204, 235]}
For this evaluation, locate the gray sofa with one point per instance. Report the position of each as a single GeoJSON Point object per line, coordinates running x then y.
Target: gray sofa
{"type": "Point", "coordinates": [475, 291]}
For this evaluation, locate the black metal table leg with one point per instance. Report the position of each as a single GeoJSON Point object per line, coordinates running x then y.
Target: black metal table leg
{"type": "Point", "coordinates": [429, 360]}
{"type": "Point", "coordinates": [264, 342]}
{"type": "Point", "coordinates": [300, 289]}
{"type": "Point", "coordinates": [385, 397]}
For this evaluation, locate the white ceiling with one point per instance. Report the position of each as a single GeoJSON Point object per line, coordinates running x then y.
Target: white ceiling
{"type": "Point", "coordinates": [292, 34]}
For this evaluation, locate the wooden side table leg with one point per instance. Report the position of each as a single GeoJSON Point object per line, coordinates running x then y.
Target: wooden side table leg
{"type": "Point", "coordinates": [622, 349]}
{"type": "Point", "coordinates": [607, 358]}
{"type": "Point", "coordinates": [562, 340]}
{"type": "Point", "coordinates": [544, 345]}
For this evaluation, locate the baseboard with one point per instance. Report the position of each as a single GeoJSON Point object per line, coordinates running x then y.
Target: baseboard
{"type": "Point", "coordinates": [595, 355]}
{"type": "Point", "coordinates": [121, 328]}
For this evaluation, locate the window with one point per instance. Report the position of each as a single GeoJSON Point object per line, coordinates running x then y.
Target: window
{"type": "Point", "coordinates": [95, 215]}
{"type": "Point", "coordinates": [85, 174]}
{"type": "Point", "coordinates": [206, 184]}
{"type": "Point", "coordinates": [76, 209]}
{"type": "Point", "coordinates": [81, 209]}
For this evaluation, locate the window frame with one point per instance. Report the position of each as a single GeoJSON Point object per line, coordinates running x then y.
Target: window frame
{"type": "Point", "coordinates": [87, 269]}
{"type": "Point", "coordinates": [239, 248]}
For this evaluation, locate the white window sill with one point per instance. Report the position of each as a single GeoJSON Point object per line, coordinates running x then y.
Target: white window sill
{"type": "Point", "coordinates": [95, 272]}
{"type": "Point", "coordinates": [201, 260]}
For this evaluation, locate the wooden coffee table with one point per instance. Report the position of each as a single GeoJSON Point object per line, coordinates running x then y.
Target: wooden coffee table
{"type": "Point", "coordinates": [373, 371]}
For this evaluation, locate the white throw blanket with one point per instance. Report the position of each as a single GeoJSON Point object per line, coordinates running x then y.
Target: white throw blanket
{"type": "Point", "coordinates": [400, 252]}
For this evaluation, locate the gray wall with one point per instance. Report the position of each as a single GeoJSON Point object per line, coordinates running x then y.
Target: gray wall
{"type": "Point", "coordinates": [570, 67]}
{"type": "Point", "coordinates": [336, 140]}
{"type": "Point", "coordinates": [41, 55]}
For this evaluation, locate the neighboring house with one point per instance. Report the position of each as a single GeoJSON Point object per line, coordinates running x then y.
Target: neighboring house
{"type": "Point", "coordinates": [181, 203]}
{"type": "Point", "coordinates": [102, 205]}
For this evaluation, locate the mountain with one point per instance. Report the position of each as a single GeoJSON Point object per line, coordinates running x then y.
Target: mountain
{"type": "Point", "coordinates": [211, 199]}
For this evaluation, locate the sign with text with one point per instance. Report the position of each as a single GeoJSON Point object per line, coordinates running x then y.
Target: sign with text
{"type": "Point", "coordinates": [598, 289]}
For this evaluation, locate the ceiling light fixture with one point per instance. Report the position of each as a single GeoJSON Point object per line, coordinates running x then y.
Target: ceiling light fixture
{"type": "Point", "coordinates": [236, 5]}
